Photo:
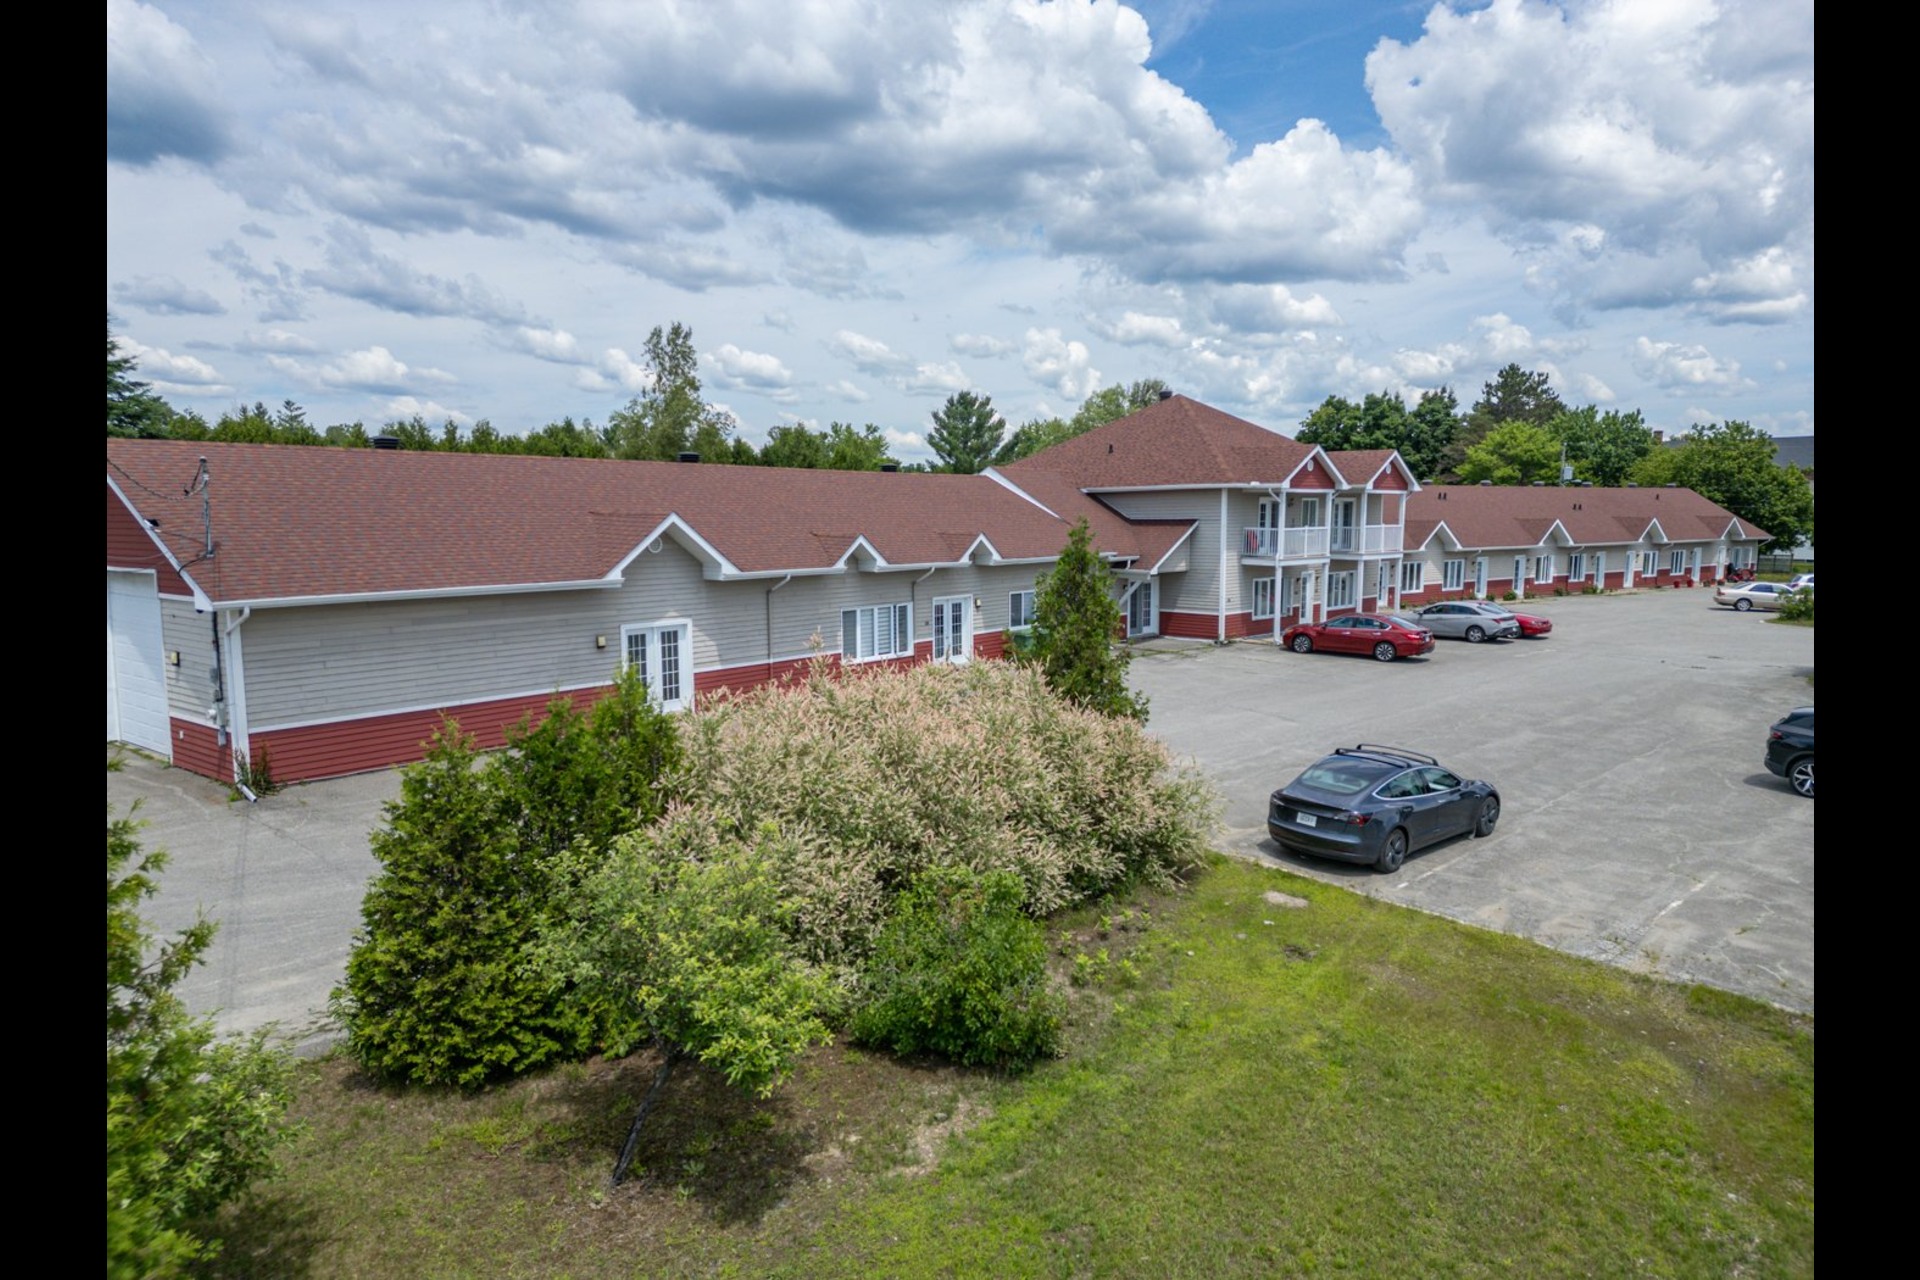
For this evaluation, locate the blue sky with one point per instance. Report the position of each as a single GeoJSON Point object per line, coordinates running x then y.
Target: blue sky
{"type": "Point", "coordinates": [862, 206]}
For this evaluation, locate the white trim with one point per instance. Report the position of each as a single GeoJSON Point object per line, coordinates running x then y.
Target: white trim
{"type": "Point", "coordinates": [201, 600]}
{"type": "Point", "coordinates": [899, 633]}
{"type": "Point", "coordinates": [1225, 567]}
{"type": "Point", "coordinates": [702, 548]}
{"type": "Point", "coordinates": [1177, 544]}
{"type": "Point", "coordinates": [431, 593]}
{"type": "Point", "coordinates": [1272, 591]}
{"type": "Point", "coordinates": [1419, 575]}
{"type": "Point", "coordinates": [239, 740]}
{"type": "Point", "coordinates": [993, 474]}
{"type": "Point", "coordinates": [684, 672]}
{"type": "Point", "coordinates": [1453, 575]}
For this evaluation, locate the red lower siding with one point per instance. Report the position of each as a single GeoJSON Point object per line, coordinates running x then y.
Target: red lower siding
{"type": "Point", "coordinates": [196, 748]}
{"type": "Point", "coordinates": [380, 741]}
{"type": "Point", "coordinates": [1242, 625]}
{"type": "Point", "coordinates": [1194, 626]}
{"type": "Point", "coordinates": [374, 742]}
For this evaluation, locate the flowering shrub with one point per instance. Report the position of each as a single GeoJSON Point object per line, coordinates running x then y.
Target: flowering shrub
{"type": "Point", "coordinates": [872, 779]}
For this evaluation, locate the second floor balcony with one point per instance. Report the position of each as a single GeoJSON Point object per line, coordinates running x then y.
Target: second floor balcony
{"type": "Point", "coordinates": [1366, 540]}
{"type": "Point", "coordinates": [1301, 542]}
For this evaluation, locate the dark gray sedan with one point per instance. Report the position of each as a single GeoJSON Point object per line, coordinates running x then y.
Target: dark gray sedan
{"type": "Point", "coordinates": [1374, 805]}
{"type": "Point", "coordinates": [1469, 620]}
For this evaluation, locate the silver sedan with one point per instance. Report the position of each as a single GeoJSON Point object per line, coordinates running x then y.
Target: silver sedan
{"type": "Point", "coordinates": [1469, 620]}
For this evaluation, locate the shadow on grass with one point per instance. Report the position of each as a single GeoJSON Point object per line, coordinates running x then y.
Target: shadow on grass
{"type": "Point", "coordinates": [271, 1232]}
{"type": "Point", "coordinates": [735, 1154]}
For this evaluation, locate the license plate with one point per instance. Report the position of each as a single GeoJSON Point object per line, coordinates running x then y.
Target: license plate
{"type": "Point", "coordinates": [1306, 819]}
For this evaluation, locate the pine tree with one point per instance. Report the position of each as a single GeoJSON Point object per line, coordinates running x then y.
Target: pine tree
{"type": "Point", "coordinates": [1076, 619]}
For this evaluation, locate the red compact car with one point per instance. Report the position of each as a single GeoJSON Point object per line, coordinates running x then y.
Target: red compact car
{"type": "Point", "coordinates": [1532, 625]}
{"type": "Point", "coordinates": [1384, 638]}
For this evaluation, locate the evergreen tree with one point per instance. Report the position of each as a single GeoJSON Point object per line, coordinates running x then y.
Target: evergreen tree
{"type": "Point", "coordinates": [1076, 621]}
{"type": "Point", "coordinates": [132, 408]}
{"type": "Point", "coordinates": [966, 433]}
{"type": "Point", "coordinates": [190, 1119]}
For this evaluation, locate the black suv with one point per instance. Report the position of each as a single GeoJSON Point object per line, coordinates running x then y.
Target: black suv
{"type": "Point", "coordinates": [1790, 749]}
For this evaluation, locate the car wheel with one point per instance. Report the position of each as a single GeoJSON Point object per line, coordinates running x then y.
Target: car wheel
{"type": "Point", "coordinates": [1384, 651]}
{"type": "Point", "coordinates": [1801, 776]}
{"type": "Point", "coordinates": [1393, 853]}
{"type": "Point", "coordinates": [1303, 644]}
{"type": "Point", "coordinates": [1741, 606]}
{"type": "Point", "coordinates": [1489, 814]}
{"type": "Point", "coordinates": [1476, 634]}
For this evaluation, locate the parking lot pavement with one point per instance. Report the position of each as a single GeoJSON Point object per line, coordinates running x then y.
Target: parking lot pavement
{"type": "Point", "coordinates": [1639, 825]}
{"type": "Point", "coordinates": [282, 878]}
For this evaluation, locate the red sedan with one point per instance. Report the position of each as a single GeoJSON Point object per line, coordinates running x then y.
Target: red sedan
{"type": "Point", "coordinates": [1385, 638]}
{"type": "Point", "coordinates": [1532, 625]}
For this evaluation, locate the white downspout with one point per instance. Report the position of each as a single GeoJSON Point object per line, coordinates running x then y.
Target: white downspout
{"type": "Point", "coordinates": [1227, 563]}
{"type": "Point", "coordinates": [236, 677]}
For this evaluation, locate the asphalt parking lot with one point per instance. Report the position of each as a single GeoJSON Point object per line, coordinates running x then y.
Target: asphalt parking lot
{"type": "Point", "coordinates": [1639, 825]}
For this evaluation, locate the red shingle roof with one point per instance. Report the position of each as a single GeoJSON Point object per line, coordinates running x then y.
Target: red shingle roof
{"type": "Point", "coordinates": [1520, 516]}
{"type": "Point", "coordinates": [1173, 442]}
{"type": "Point", "coordinates": [292, 522]}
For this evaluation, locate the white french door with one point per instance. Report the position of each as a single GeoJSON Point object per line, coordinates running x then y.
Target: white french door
{"type": "Point", "coordinates": [952, 628]}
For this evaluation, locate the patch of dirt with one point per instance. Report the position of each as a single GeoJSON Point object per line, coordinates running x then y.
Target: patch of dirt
{"type": "Point", "coordinates": [929, 1139]}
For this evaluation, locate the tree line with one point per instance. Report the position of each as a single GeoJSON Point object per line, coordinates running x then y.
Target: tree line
{"type": "Point", "coordinates": [1519, 432]}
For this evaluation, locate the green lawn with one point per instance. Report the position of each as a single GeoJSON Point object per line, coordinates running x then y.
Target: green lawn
{"type": "Point", "coordinates": [1347, 1088]}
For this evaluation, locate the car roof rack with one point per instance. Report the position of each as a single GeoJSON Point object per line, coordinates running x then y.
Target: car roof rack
{"type": "Point", "coordinates": [1376, 751]}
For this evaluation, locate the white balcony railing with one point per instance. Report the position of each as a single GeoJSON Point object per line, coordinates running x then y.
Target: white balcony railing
{"type": "Point", "coordinates": [1288, 544]}
{"type": "Point", "coordinates": [1371, 539]}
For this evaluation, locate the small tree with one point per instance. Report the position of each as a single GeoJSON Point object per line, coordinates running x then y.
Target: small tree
{"type": "Point", "coordinates": [1076, 619]}
{"type": "Point", "coordinates": [438, 990]}
{"type": "Point", "coordinates": [686, 933]}
{"type": "Point", "coordinates": [190, 1119]}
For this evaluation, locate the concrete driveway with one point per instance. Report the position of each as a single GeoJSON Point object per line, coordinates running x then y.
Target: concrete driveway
{"type": "Point", "coordinates": [1639, 825]}
{"type": "Point", "coordinates": [283, 879]}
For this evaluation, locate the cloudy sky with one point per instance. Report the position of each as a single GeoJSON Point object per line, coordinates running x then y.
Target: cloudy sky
{"type": "Point", "coordinates": [860, 207]}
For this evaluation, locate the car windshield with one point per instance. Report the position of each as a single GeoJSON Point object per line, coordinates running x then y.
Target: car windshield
{"type": "Point", "coordinates": [1343, 777]}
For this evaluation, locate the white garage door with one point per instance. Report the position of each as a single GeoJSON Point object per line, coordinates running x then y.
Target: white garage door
{"type": "Point", "coordinates": [136, 671]}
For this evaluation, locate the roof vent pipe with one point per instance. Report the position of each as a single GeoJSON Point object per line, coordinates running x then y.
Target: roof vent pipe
{"type": "Point", "coordinates": [889, 467]}
{"type": "Point", "coordinates": [386, 442]}
{"type": "Point", "coordinates": [1632, 485]}
{"type": "Point", "coordinates": [1486, 484]}
{"type": "Point", "coordinates": [1539, 484]}
{"type": "Point", "coordinates": [1165, 394]}
{"type": "Point", "coordinates": [688, 455]}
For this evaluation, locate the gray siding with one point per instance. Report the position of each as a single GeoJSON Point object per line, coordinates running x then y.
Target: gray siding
{"type": "Point", "coordinates": [1198, 589]}
{"type": "Point", "coordinates": [190, 685]}
{"type": "Point", "coordinates": [330, 662]}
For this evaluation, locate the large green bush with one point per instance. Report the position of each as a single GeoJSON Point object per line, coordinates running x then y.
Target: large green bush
{"type": "Point", "coordinates": [873, 779]}
{"type": "Point", "coordinates": [191, 1119]}
{"type": "Point", "coordinates": [439, 987]}
{"type": "Point", "coordinates": [961, 972]}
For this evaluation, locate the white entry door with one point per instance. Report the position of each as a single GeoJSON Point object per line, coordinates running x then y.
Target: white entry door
{"type": "Point", "coordinates": [952, 628]}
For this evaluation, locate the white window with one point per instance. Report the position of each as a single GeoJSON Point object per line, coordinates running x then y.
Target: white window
{"type": "Point", "coordinates": [1543, 568]}
{"type": "Point", "coordinates": [1263, 598]}
{"type": "Point", "coordinates": [1649, 563]}
{"type": "Point", "coordinates": [1676, 562]}
{"type": "Point", "coordinates": [880, 631]}
{"type": "Point", "coordinates": [1413, 575]}
{"type": "Point", "coordinates": [1576, 567]}
{"type": "Point", "coordinates": [1453, 575]}
{"type": "Point", "coordinates": [1340, 591]}
{"type": "Point", "coordinates": [660, 654]}
{"type": "Point", "coordinates": [1020, 609]}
